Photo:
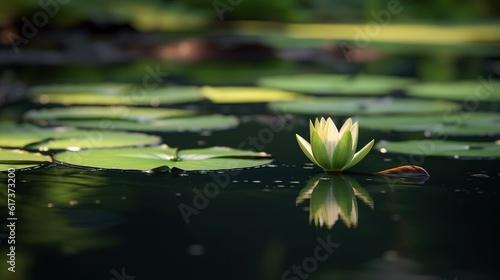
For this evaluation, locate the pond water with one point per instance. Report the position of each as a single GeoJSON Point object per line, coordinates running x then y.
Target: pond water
{"type": "Point", "coordinates": [76, 223]}
{"type": "Point", "coordinates": [79, 224]}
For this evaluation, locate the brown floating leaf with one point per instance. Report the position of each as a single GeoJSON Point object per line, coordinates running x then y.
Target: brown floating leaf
{"type": "Point", "coordinates": [407, 171]}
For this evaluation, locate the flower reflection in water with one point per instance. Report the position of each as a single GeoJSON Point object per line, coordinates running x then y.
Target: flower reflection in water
{"type": "Point", "coordinates": [333, 196]}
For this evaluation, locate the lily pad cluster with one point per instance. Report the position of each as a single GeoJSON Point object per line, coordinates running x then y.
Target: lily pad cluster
{"type": "Point", "coordinates": [338, 106]}
{"type": "Point", "coordinates": [336, 83]}
{"type": "Point", "coordinates": [96, 137]}
{"type": "Point", "coordinates": [31, 137]}
{"type": "Point", "coordinates": [114, 94]}
{"type": "Point", "coordinates": [481, 90]}
{"type": "Point", "coordinates": [131, 118]}
{"type": "Point", "coordinates": [451, 124]}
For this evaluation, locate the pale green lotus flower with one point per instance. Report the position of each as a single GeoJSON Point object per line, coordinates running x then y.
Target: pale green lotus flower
{"type": "Point", "coordinates": [332, 197]}
{"type": "Point", "coordinates": [331, 149]}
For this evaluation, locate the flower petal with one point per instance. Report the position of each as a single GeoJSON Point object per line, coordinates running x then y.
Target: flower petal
{"type": "Point", "coordinates": [306, 148]}
{"type": "Point", "coordinates": [360, 155]}
{"type": "Point", "coordinates": [343, 152]}
{"type": "Point", "coordinates": [354, 134]}
{"type": "Point", "coordinates": [330, 137]}
{"type": "Point", "coordinates": [319, 124]}
{"type": "Point", "coordinates": [347, 126]}
{"type": "Point", "coordinates": [319, 152]}
{"type": "Point", "coordinates": [312, 128]}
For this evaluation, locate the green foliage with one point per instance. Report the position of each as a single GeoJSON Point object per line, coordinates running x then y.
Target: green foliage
{"type": "Point", "coordinates": [164, 158]}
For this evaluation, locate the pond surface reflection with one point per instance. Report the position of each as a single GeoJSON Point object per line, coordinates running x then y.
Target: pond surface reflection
{"type": "Point", "coordinates": [332, 196]}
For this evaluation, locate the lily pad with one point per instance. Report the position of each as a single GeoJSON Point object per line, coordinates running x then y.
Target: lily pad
{"type": "Point", "coordinates": [19, 159]}
{"type": "Point", "coordinates": [163, 158]}
{"type": "Point", "coordinates": [43, 139]}
{"type": "Point", "coordinates": [133, 95]}
{"type": "Point", "coordinates": [105, 112]}
{"type": "Point", "coordinates": [245, 94]}
{"type": "Point", "coordinates": [456, 149]}
{"type": "Point", "coordinates": [336, 84]}
{"type": "Point", "coordinates": [474, 91]}
{"type": "Point", "coordinates": [130, 118]}
{"type": "Point", "coordinates": [338, 106]}
{"type": "Point", "coordinates": [103, 88]}
{"type": "Point", "coordinates": [195, 123]}
{"type": "Point", "coordinates": [452, 124]}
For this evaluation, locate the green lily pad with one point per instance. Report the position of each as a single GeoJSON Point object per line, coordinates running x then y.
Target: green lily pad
{"type": "Point", "coordinates": [43, 139]}
{"type": "Point", "coordinates": [195, 123]}
{"type": "Point", "coordinates": [338, 106]}
{"type": "Point", "coordinates": [131, 95]}
{"type": "Point", "coordinates": [245, 94]}
{"type": "Point", "coordinates": [336, 84]}
{"type": "Point", "coordinates": [453, 124]}
{"type": "Point", "coordinates": [105, 112]}
{"type": "Point", "coordinates": [19, 159]}
{"type": "Point", "coordinates": [163, 158]}
{"type": "Point", "coordinates": [103, 88]}
{"type": "Point", "coordinates": [456, 149]}
{"type": "Point", "coordinates": [474, 91]}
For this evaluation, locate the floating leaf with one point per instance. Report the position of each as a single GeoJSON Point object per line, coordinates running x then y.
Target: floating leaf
{"type": "Point", "coordinates": [336, 84]}
{"type": "Point", "coordinates": [131, 95]}
{"type": "Point", "coordinates": [195, 123]}
{"type": "Point", "coordinates": [103, 88]}
{"type": "Point", "coordinates": [456, 123]}
{"type": "Point", "coordinates": [165, 158]}
{"type": "Point", "coordinates": [309, 83]}
{"type": "Point", "coordinates": [43, 139]}
{"type": "Point", "coordinates": [479, 90]}
{"type": "Point", "coordinates": [19, 159]}
{"type": "Point", "coordinates": [456, 149]}
{"type": "Point", "coordinates": [245, 94]}
{"type": "Point", "coordinates": [338, 106]}
{"type": "Point", "coordinates": [106, 112]}
{"type": "Point", "coordinates": [405, 171]}
{"type": "Point", "coordinates": [406, 174]}
{"type": "Point", "coordinates": [130, 118]}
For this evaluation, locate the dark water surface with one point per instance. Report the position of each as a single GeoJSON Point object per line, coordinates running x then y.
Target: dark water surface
{"type": "Point", "coordinates": [80, 224]}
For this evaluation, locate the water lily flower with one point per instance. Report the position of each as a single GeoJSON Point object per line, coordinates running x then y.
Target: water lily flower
{"type": "Point", "coordinates": [331, 149]}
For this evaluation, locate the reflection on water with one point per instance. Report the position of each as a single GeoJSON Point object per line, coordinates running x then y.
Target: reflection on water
{"type": "Point", "coordinates": [332, 196]}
